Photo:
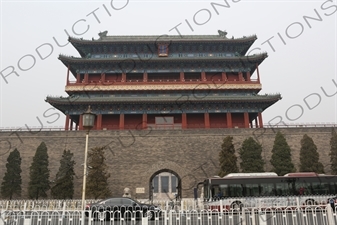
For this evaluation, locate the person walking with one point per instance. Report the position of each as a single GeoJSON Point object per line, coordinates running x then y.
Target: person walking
{"type": "Point", "coordinates": [332, 204]}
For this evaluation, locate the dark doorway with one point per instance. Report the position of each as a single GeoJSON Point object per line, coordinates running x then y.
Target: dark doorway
{"type": "Point", "coordinates": [164, 184]}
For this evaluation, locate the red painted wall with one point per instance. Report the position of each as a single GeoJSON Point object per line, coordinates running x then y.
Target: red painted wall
{"type": "Point", "coordinates": [238, 120]}
{"type": "Point", "coordinates": [116, 77]}
{"type": "Point", "coordinates": [218, 120]}
{"type": "Point", "coordinates": [134, 77]}
{"type": "Point", "coordinates": [94, 77]}
{"type": "Point", "coordinates": [195, 120]}
{"type": "Point", "coordinates": [110, 122]}
{"type": "Point", "coordinates": [232, 77]}
{"type": "Point", "coordinates": [215, 76]}
{"type": "Point", "coordinates": [132, 121]}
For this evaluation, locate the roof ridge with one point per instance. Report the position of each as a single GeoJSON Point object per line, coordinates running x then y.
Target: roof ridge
{"type": "Point", "coordinates": [164, 37]}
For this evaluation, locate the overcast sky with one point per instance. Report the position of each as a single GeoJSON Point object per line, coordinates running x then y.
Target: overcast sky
{"type": "Point", "coordinates": [299, 36]}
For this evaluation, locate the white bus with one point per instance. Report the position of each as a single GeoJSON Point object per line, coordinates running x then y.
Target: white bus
{"type": "Point", "coordinates": [268, 190]}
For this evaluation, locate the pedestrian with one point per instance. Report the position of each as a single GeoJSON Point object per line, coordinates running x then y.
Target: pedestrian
{"type": "Point", "coordinates": [332, 204]}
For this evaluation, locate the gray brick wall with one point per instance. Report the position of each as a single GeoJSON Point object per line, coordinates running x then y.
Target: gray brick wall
{"type": "Point", "coordinates": [134, 156]}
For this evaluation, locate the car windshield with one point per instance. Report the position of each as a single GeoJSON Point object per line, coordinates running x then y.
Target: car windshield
{"type": "Point", "coordinates": [111, 201]}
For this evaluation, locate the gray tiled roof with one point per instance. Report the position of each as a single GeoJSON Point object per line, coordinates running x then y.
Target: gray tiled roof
{"type": "Point", "coordinates": [160, 99]}
{"type": "Point", "coordinates": [164, 38]}
{"type": "Point", "coordinates": [196, 58]}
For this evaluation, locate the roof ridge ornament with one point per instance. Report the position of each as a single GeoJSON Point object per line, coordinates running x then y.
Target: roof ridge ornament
{"type": "Point", "coordinates": [102, 34]}
{"type": "Point", "coordinates": [222, 33]}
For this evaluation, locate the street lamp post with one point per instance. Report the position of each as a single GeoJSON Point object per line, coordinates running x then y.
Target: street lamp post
{"type": "Point", "coordinates": [88, 123]}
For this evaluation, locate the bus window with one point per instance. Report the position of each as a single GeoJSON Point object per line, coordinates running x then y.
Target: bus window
{"type": "Point", "coordinates": [235, 190]}
{"type": "Point", "coordinates": [333, 189]}
{"type": "Point", "coordinates": [291, 187]}
{"type": "Point", "coordinates": [320, 188]}
{"type": "Point", "coordinates": [303, 188]}
{"type": "Point", "coordinates": [252, 190]}
{"type": "Point", "coordinates": [325, 188]}
{"type": "Point", "coordinates": [215, 191]}
{"type": "Point", "coordinates": [267, 189]}
{"type": "Point", "coordinates": [281, 189]}
{"type": "Point", "coordinates": [223, 190]}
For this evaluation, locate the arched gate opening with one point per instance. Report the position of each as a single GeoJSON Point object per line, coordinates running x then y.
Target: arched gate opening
{"type": "Point", "coordinates": [164, 184]}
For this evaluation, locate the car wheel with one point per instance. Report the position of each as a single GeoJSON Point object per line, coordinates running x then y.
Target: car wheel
{"type": "Point", "coordinates": [149, 215]}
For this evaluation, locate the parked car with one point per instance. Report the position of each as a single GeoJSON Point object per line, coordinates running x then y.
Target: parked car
{"type": "Point", "coordinates": [121, 208]}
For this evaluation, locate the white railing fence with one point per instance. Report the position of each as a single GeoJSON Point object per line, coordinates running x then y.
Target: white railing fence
{"type": "Point", "coordinates": [309, 215]}
{"type": "Point", "coordinates": [184, 204]}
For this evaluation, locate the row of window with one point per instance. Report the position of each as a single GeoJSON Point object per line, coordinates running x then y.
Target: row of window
{"type": "Point", "coordinates": [180, 95]}
{"type": "Point", "coordinates": [163, 47]}
{"type": "Point", "coordinates": [162, 53]}
{"type": "Point", "coordinates": [272, 189]}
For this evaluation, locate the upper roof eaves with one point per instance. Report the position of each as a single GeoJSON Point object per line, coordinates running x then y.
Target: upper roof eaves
{"type": "Point", "coordinates": [114, 99]}
{"type": "Point", "coordinates": [259, 56]}
{"type": "Point", "coordinates": [163, 38]}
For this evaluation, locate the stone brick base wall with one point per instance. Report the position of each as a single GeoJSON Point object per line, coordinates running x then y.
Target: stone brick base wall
{"type": "Point", "coordinates": [134, 156]}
